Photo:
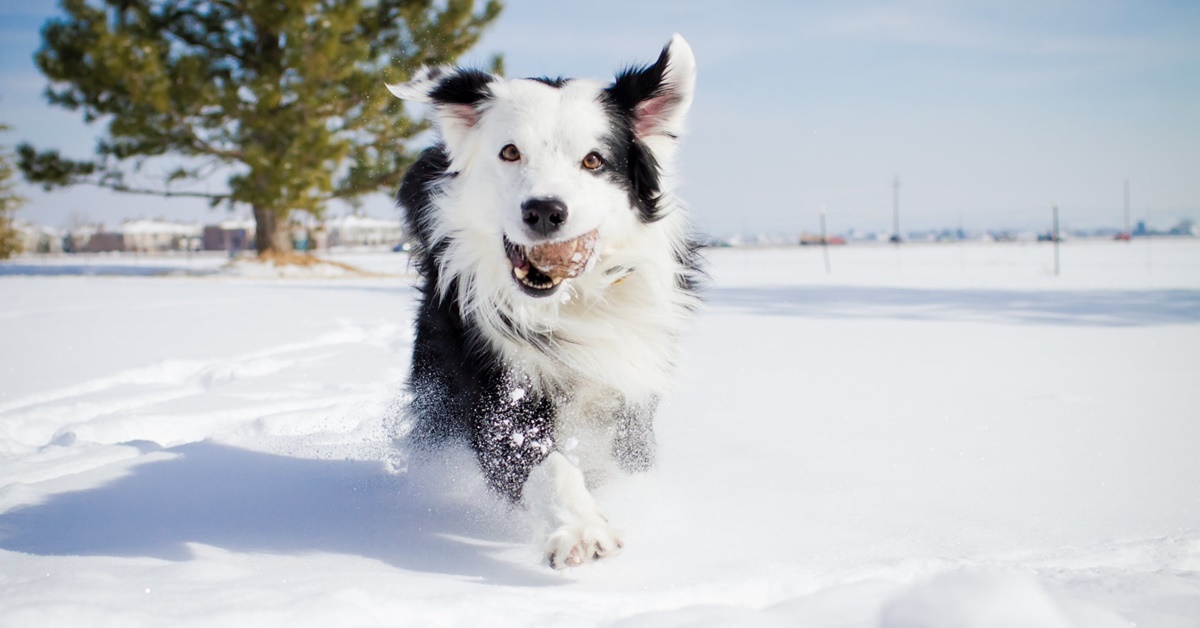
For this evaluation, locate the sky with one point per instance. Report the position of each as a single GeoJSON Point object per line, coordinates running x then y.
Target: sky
{"type": "Point", "coordinates": [988, 112]}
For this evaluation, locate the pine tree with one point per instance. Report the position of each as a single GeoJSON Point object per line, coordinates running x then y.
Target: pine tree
{"type": "Point", "coordinates": [10, 201]}
{"type": "Point", "coordinates": [286, 96]}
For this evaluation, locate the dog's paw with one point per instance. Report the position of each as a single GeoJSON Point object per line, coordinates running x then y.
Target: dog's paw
{"type": "Point", "coordinates": [574, 545]}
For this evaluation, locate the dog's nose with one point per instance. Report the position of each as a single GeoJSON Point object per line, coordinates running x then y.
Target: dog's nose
{"type": "Point", "coordinates": [544, 215]}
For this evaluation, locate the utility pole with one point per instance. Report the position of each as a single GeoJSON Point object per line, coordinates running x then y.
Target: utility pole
{"type": "Point", "coordinates": [896, 210]}
{"type": "Point", "coordinates": [824, 240]}
{"type": "Point", "coordinates": [1128, 231]}
{"type": "Point", "coordinates": [1054, 236]}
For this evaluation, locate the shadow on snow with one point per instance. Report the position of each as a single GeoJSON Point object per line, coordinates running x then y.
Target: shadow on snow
{"type": "Point", "coordinates": [1092, 308]}
{"type": "Point", "coordinates": [101, 270]}
{"type": "Point", "coordinates": [249, 501]}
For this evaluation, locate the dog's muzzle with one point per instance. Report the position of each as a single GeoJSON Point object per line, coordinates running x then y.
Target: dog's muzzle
{"type": "Point", "coordinates": [539, 269]}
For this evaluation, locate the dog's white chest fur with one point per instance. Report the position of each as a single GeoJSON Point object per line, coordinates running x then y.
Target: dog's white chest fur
{"type": "Point", "coordinates": [615, 327]}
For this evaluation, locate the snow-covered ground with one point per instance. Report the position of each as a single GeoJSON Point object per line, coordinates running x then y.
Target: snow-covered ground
{"type": "Point", "coordinates": [930, 436]}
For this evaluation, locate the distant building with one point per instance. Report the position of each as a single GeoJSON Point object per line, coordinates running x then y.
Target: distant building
{"type": "Point", "coordinates": [156, 236]}
{"type": "Point", "coordinates": [228, 235]}
{"type": "Point", "coordinates": [859, 235]}
{"type": "Point", "coordinates": [353, 230]}
{"type": "Point", "coordinates": [39, 238]}
{"type": "Point", "coordinates": [237, 234]}
{"type": "Point", "coordinates": [1185, 227]}
{"type": "Point", "coordinates": [811, 239]}
{"type": "Point", "coordinates": [139, 236]}
{"type": "Point", "coordinates": [308, 233]}
{"type": "Point", "coordinates": [94, 238]}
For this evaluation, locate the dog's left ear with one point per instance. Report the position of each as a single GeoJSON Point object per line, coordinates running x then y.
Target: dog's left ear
{"type": "Point", "coordinates": [458, 97]}
{"type": "Point", "coordinates": [656, 98]}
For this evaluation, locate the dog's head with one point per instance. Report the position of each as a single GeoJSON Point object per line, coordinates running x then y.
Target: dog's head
{"type": "Point", "coordinates": [550, 172]}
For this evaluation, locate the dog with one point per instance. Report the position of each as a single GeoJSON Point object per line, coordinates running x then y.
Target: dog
{"type": "Point", "coordinates": [557, 269]}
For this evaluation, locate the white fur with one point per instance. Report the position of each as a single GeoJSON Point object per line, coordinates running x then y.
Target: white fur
{"type": "Point", "coordinates": [580, 533]}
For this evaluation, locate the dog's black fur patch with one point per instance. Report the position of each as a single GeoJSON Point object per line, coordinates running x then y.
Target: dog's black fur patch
{"type": "Point", "coordinates": [459, 387]}
{"type": "Point", "coordinates": [464, 87]}
{"type": "Point", "coordinates": [555, 82]}
{"type": "Point", "coordinates": [636, 166]}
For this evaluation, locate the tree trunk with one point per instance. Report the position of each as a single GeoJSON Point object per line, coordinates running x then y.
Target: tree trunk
{"type": "Point", "coordinates": [271, 234]}
{"type": "Point", "coordinates": [10, 240]}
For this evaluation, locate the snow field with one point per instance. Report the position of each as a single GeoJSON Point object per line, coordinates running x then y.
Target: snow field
{"type": "Point", "coordinates": [930, 436]}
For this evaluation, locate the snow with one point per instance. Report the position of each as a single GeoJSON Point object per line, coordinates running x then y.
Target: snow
{"type": "Point", "coordinates": [934, 435]}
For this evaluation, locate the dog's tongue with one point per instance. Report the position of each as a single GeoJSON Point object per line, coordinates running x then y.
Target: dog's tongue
{"type": "Point", "coordinates": [563, 260]}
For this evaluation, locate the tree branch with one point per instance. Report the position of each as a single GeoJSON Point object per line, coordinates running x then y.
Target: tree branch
{"type": "Point", "coordinates": [121, 187]}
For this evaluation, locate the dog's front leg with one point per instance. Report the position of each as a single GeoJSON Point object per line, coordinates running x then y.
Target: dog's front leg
{"type": "Point", "coordinates": [512, 440]}
{"type": "Point", "coordinates": [581, 533]}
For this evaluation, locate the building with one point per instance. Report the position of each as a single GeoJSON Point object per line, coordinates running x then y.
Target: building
{"type": "Point", "coordinates": [138, 236]}
{"type": "Point", "coordinates": [93, 238]}
{"type": "Point", "coordinates": [229, 235]}
{"type": "Point", "coordinates": [39, 238]}
{"type": "Point", "coordinates": [354, 230]}
{"type": "Point", "coordinates": [157, 236]}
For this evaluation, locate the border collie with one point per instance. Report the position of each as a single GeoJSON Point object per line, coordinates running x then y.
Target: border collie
{"type": "Point", "coordinates": [557, 272]}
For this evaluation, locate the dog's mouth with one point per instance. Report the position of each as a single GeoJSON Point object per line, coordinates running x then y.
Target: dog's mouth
{"type": "Point", "coordinates": [539, 269]}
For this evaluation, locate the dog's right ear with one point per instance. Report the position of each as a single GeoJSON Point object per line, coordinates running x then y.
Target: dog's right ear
{"type": "Point", "coordinates": [458, 97]}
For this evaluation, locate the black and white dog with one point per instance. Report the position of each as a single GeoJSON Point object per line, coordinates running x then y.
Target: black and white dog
{"type": "Point", "coordinates": [558, 271]}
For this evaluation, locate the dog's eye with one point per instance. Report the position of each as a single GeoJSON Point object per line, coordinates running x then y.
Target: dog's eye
{"type": "Point", "coordinates": [593, 161]}
{"type": "Point", "coordinates": [510, 153]}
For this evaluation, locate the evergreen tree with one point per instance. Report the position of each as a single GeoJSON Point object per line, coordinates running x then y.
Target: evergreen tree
{"type": "Point", "coordinates": [286, 95]}
{"type": "Point", "coordinates": [10, 238]}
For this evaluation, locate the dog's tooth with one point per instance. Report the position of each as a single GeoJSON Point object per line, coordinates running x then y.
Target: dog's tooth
{"type": "Point", "coordinates": [555, 280]}
{"type": "Point", "coordinates": [520, 272]}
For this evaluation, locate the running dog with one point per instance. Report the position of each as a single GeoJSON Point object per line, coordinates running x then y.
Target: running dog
{"type": "Point", "coordinates": [557, 272]}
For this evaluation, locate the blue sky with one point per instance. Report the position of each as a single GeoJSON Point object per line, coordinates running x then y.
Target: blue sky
{"type": "Point", "coordinates": [987, 111]}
